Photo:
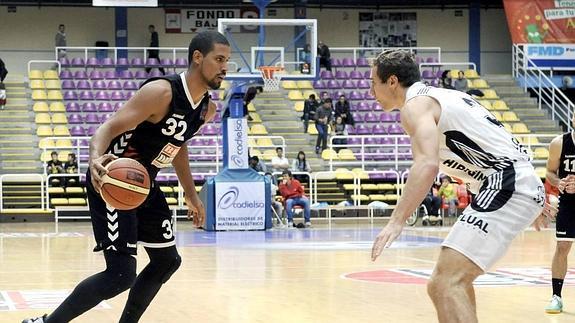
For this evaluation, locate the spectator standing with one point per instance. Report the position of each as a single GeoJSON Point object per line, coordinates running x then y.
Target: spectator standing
{"type": "Point", "coordinates": [324, 56]}
{"type": "Point", "coordinates": [323, 118]}
{"type": "Point", "coordinates": [309, 110]}
{"type": "Point", "coordinates": [279, 162]}
{"type": "Point", "coordinates": [154, 53]}
{"type": "Point", "coordinates": [293, 194]}
{"type": "Point", "coordinates": [60, 41]}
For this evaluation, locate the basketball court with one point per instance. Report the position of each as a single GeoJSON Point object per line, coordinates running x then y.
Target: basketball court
{"type": "Point", "coordinates": [308, 275]}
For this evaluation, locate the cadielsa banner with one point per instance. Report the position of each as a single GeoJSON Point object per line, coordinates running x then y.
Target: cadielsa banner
{"type": "Point", "coordinates": [541, 21]}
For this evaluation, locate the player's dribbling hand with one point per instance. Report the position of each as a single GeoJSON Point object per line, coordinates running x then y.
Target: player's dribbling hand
{"type": "Point", "coordinates": [97, 169]}
{"type": "Point", "coordinates": [549, 213]}
{"type": "Point", "coordinates": [196, 211]}
{"type": "Point", "coordinates": [567, 184]}
{"type": "Point", "coordinates": [385, 238]}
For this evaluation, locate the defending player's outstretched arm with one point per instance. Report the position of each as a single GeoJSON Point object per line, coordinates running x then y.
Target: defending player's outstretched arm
{"type": "Point", "coordinates": [419, 120]}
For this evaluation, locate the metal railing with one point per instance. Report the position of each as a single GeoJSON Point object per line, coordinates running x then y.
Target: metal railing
{"type": "Point", "coordinates": [467, 64]}
{"type": "Point", "coordinates": [51, 62]}
{"type": "Point", "coordinates": [362, 51]}
{"type": "Point", "coordinates": [548, 93]}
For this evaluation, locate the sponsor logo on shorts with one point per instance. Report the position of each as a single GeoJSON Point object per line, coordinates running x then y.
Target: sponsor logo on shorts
{"type": "Point", "coordinates": [475, 222]}
{"type": "Point", "coordinates": [561, 232]}
{"type": "Point", "coordinates": [131, 245]}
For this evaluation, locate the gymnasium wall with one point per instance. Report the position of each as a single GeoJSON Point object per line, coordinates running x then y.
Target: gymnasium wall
{"type": "Point", "coordinates": [29, 33]}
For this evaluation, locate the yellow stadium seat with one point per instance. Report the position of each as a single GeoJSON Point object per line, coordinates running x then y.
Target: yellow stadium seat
{"type": "Point", "coordinates": [500, 105]}
{"type": "Point", "coordinates": [298, 106]}
{"type": "Point", "coordinates": [59, 118]}
{"type": "Point", "coordinates": [252, 142]}
{"type": "Point", "coordinates": [57, 106]}
{"type": "Point", "coordinates": [454, 74]}
{"type": "Point", "coordinates": [311, 129]}
{"type": "Point", "coordinates": [37, 85]}
{"type": "Point", "coordinates": [59, 201]}
{"type": "Point", "coordinates": [251, 107]}
{"type": "Point", "coordinates": [541, 172]}
{"type": "Point", "coordinates": [225, 85]}
{"type": "Point", "coordinates": [540, 153]}
{"type": "Point", "coordinates": [63, 155]}
{"type": "Point", "coordinates": [376, 197]}
{"type": "Point", "coordinates": [46, 143]}
{"type": "Point", "coordinates": [40, 107]}
{"type": "Point", "coordinates": [74, 190]}
{"type": "Point", "coordinates": [343, 173]}
{"type": "Point", "coordinates": [44, 131]}
{"type": "Point", "coordinates": [304, 85]}
{"type": "Point", "coordinates": [295, 95]}
{"type": "Point", "coordinates": [360, 173]}
{"type": "Point", "coordinates": [171, 200]}
{"type": "Point", "coordinates": [166, 189]}
{"type": "Point", "coordinates": [289, 85]}
{"type": "Point", "coordinates": [35, 74]}
{"type": "Point", "coordinates": [76, 201]}
{"type": "Point", "coordinates": [385, 187]}
{"type": "Point", "coordinates": [54, 95]}
{"type": "Point", "coordinates": [530, 140]}
{"type": "Point", "coordinates": [497, 115]}
{"type": "Point", "coordinates": [519, 127]}
{"type": "Point", "coordinates": [269, 154]}
{"type": "Point", "coordinates": [329, 153]}
{"type": "Point", "coordinates": [510, 116]}
{"type": "Point", "coordinates": [346, 154]}
{"type": "Point", "coordinates": [486, 104]}
{"type": "Point", "coordinates": [45, 156]}
{"type": "Point", "coordinates": [507, 127]}
{"type": "Point", "coordinates": [64, 143]}
{"type": "Point", "coordinates": [471, 74]}
{"type": "Point", "coordinates": [255, 152]}
{"type": "Point", "coordinates": [349, 187]}
{"type": "Point", "coordinates": [391, 197]}
{"type": "Point", "coordinates": [255, 117]}
{"type": "Point", "coordinates": [480, 84]}
{"type": "Point", "coordinates": [264, 142]}
{"type": "Point", "coordinates": [369, 187]}
{"type": "Point", "coordinates": [360, 197]}
{"type": "Point", "coordinates": [42, 118]}
{"type": "Point", "coordinates": [307, 93]}
{"type": "Point", "coordinates": [39, 95]}
{"type": "Point", "coordinates": [53, 84]}
{"type": "Point", "coordinates": [490, 94]}
{"type": "Point", "coordinates": [61, 131]}
{"type": "Point", "coordinates": [56, 190]}
{"type": "Point", "coordinates": [51, 75]}
{"type": "Point", "coordinates": [258, 129]}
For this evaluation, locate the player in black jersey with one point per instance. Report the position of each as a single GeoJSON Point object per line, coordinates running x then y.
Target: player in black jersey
{"type": "Point", "coordinates": [561, 173]}
{"type": "Point", "coordinates": [152, 127]}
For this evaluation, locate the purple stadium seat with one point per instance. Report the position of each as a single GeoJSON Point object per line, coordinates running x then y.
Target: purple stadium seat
{"type": "Point", "coordinates": [217, 118]}
{"type": "Point", "coordinates": [99, 85]}
{"type": "Point", "coordinates": [102, 96]}
{"type": "Point", "coordinates": [70, 95]}
{"type": "Point", "coordinates": [431, 60]}
{"type": "Point", "coordinates": [129, 94]}
{"type": "Point", "coordinates": [335, 62]}
{"type": "Point", "coordinates": [74, 118]}
{"type": "Point", "coordinates": [215, 95]}
{"type": "Point", "coordinates": [435, 82]}
{"type": "Point", "coordinates": [387, 141]}
{"type": "Point", "coordinates": [367, 74]}
{"type": "Point", "coordinates": [335, 95]}
{"type": "Point", "coordinates": [90, 131]}
{"type": "Point", "coordinates": [122, 62]}
{"type": "Point", "coordinates": [219, 106]}
{"type": "Point", "coordinates": [96, 75]}
{"type": "Point", "coordinates": [418, 60]}
{"type": "Point", "coordinates": [439, 74]}
{"type": "Point", "coordinates": [72, 107]}
{"type": "Point", "coordinates": [341, 75]}
{"type": "Point", "coordinates": [141, 74]}
{"type": "Point", "coordinates": [117, 96]}
{"type": "Point", "coordinates": [114, 85]}
{"type": "Point", "coordinates": [395, 129]}
{"type": "Point", "coordinates": [77, 62]}
{"type": "Point", "coordinates": [84, 143]}
{"type": "Point", "coordinates": [351, 130]}
{"type": "Point", "coordinates": [361, 129]}
{"type": "Point", "coordinates": [64, 62]}
{"type": "Point", "coordinates": [357, 117]}
{"type": "Point", "coordinates": [326, 75]}
{"type": "Point", "coordinates": [370, 117]}
{"type": "Point", "coordinates": [378, 129]}
{"type": "Point", "coordinates": [210, 130]}
{"type": "Point", "coordinates": [376, 176]}
{"type": "Point", "coordinates": [86, 95]}
{"type": "Point", "coordinates": [427, 74]}
{"type": "Point", "coordinates": [211, 142]}
{"type": "Point", "coordinates": [125, 75]}
{"type": "Point", "coordinates": [130, 85]}
{"type": "Point", "coordinates": [80, 75]}
{"type": "Point", "coordinates": [348, 84]}
{"type": "Point", "coordinates": [362, 62]}
{"type": "Point", "coordinates": [356, 75]}
{"type": "Point", "coordinates": [107, 62]}
{"type": "Point", "coordinates": [397, 116]}
{"type": "Point", "coordinates": [371, 141]}
{"type": "Point", "coordinates": [83, 85]}
{"type": "Point", "coordinates": [137, 62]}
{"type": "Point", "coordinates": [105, 117]}
{"type": "Point", "coordinates": [167, 62]}
{"type": "Point", "coordinates": [386, 117]}
{"type": "Point", "coordinates": [91, 118]}
{"type": "Point", "coordinates": [403, 141]}
{"type": "Point", "coordinates": [376, 106]}
{"type": "Point", "coordinates": [367, 95]}
{"type": "Point", "coordinates": [354, 141]}
{"type": "Point", "coordinates": [77, 131]}
{"type": "Point", "coordinates": [355, 95]}
{"type": "Point", "coordinates": [92, 62]}
{"type": "Point", "coordinates": [363, 84]}
{"type": "Point", "coordinates": [105, 107]}
{"type": "Point", "coordinates": [181, 62]}
{"type": "Point", "coordinates": [404, 154]}
{"type": "Point", "coordinates": [363, 106]}
{"type": "Point", "coordinates": [319, 84]}
{"type": "Point", "coordinates": [65, 74]}
{"type": "Point", "coordinates": [155, 73]}
{"type": "Point", "coordinates": [152, 62]}
{"type": "Point", "coordinates": [89, 107]}
{"type": "Point", "coordinates": [118, 105]}
{"type": "Point", "coordinates": [68, 85]}
{"type": "Point", "coordinates": [347, 62]}
{"type": "Point", "coordinates": [110, 75]}
{"type": "Point", "coordinates": [196, 142]}
{"type": "Point", "coordinates": [333, 84]}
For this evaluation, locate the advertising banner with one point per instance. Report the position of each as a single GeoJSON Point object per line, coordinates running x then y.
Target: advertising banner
{"type": "Point", "coordinates": [240, 205]}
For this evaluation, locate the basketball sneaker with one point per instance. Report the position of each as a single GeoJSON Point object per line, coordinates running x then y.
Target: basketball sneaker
{"type": "Point", "coordinates": [41, 319]}
{"type": "Point", "coordinates": [555, 306]}
{"type": "Point", "coordinates": [308, 224]}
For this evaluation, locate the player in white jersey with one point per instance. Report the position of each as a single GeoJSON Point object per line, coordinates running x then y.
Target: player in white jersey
{"type": "Point", "coordinates": [451, 131]}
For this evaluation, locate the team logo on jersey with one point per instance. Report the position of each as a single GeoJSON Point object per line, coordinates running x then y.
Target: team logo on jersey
{"type": "Point", "coordinates": [166, 156]}
{"type": "Point", "coordinates": [470, 152]}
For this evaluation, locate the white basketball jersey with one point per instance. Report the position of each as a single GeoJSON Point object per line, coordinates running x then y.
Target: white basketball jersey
{"type": "Point", "coordinates": [472, 143]}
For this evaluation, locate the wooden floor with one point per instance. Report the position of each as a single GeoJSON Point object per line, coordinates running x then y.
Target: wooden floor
{"type": "Point", "coordinates": [315, 275]}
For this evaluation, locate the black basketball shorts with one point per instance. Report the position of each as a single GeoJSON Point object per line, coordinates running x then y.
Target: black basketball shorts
{"type": "Point", "coordinates": [150, 224]}
{"type": "Point", "coordinates": [565, 225]}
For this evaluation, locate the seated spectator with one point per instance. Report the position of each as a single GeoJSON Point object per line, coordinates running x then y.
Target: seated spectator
{"type": "Point", "coordinates": [54, 166]}
{"type": "Point", "coordinates": [276, 206]}
{"type": "Point", "coordinates": [324, 56]}
{"type": "Point", "coordinates": [339, 130]}
{"type": "Point", "coordinates": [460, 83]}
{"type": "Point", "coordinates": [342, 110]}
{"type": "Point", "coordinates": [446, 81]}
{"type": "Point", "coordinates": [249, 96]}
{"type": "Point", "coordinates": [300, 164]}
{"type": "Point", "coordinates": [448, 194]}
{"type": "Point", "coordinates": [309, 109]}
{"type": "Point", "coordinates": [279, 162]}
{"type": "Point", "coordinates": [257, 165]}
{"type": "Point", "coordinates": [293, 194]}
{"type": "Point", "coordinates": [71, 167]}
{"type": "Point", "coordinates": [305, 59]}
{"type": "Point", "coordinates": [323, 118]}
{"type": "Point", "coordinates": [2, 96]}
{"type": "Point", "coordinates": [432, 202]}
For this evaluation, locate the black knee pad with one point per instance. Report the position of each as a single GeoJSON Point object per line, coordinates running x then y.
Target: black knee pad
{"type": "Point", "coordinates": [165, 261]}
{"type": "Point", "coordinates": [121, 270]}
{"type": "Point", "coordinates": [171, 268]}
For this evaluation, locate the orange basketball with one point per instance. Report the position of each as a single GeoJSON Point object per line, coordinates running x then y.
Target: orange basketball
{"type": "Point", "coordinates": [126, 185]}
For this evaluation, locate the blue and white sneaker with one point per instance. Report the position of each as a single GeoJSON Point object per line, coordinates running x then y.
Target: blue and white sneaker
{"type": "Point", "coordinates": [555, 305]}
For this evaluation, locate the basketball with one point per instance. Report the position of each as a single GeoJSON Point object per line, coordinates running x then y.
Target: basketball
{"type": "Point", "coordinates": [126, 185]}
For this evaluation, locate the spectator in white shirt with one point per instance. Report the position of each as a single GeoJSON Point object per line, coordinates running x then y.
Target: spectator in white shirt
{"type": "Point", "coordinates": [280, 163]}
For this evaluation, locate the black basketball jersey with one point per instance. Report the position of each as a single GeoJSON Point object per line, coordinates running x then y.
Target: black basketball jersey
{"type": "Point", "coordinates": [567, 161]}
{"type": "Point", "coordinates": [156, 145]}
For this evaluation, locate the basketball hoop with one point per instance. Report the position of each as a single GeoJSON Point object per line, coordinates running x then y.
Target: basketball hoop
{"type": "Point", "coordinates": [272, 76]}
